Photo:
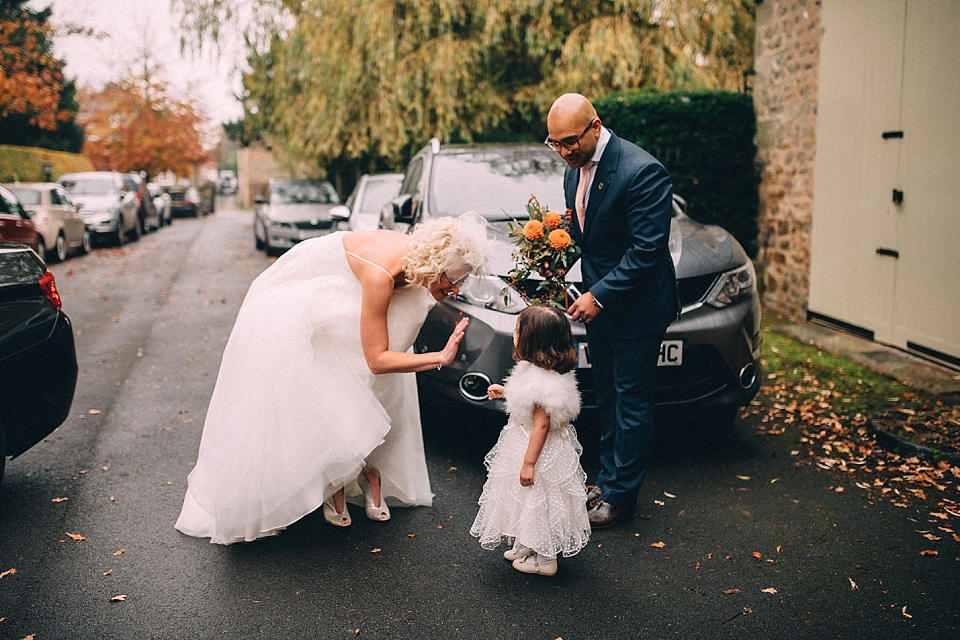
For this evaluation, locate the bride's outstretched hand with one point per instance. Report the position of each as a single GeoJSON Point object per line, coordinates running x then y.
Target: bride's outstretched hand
{"type": "Point", "coordinates": [449, 352]}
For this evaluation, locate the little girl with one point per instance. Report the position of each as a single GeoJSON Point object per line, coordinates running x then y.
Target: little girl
{"type": "Point", "coordinates": [535, 489]}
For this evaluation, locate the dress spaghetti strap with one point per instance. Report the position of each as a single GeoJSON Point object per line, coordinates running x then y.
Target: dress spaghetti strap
{"type": "Point", "coordinates": [350, 253]}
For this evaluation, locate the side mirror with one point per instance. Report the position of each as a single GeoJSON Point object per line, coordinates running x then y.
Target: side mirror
{"type": "Point", "coordinates": [30, 213]}
{"type": "Point", "coordinates": [339, 213]}
{"type": "Point", "coordinates": [402, 207]}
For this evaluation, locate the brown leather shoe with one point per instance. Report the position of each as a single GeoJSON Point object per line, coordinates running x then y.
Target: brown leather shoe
{"type": "Point", "coordinates": [605, 515]}
{"type": "Point", "coordinates": [593, 496]}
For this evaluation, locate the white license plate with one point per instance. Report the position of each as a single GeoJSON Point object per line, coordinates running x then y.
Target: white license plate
{"type": "Point", "coordinates": [671, 354]}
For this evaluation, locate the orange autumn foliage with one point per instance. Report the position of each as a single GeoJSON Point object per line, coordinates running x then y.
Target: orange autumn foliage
{"type": "Point", "coordinates": [135, 125]}
{"type": "Point", "coordinates": [31, 79]}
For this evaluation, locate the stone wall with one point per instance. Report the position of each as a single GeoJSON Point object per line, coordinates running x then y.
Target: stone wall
{"type": "Point", "coordinates": [785, 98]}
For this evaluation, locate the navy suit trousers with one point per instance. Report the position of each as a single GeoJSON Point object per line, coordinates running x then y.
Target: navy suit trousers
{"type": "Point", "coordinates": [624, 372]}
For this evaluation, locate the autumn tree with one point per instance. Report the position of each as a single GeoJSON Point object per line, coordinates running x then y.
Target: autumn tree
{"type": "Point", "coordinates": [362, 82]}
{"type": "Point", "coordinates": [37, 106]}
{"type": "Point", "coordinates": [136, 124]}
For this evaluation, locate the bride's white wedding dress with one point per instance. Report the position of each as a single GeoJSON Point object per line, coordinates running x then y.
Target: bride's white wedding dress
{"type": "Point", "coordinates": [296, 412]}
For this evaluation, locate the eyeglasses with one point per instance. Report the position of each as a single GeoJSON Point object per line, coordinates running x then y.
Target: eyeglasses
{"type": "Point", "coordinates": [454, 283]}
{"type": "Point", "coordinates": [571, 143]}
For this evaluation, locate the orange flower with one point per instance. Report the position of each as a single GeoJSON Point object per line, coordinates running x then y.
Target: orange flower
{"type": "Point", "coordinates": [533, 230]}
{"type": "Point", "coordinates": [559, 239]}
{"type": "Point", "coordinates": [552, 220]}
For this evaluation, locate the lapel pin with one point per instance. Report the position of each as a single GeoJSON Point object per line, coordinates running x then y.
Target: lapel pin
{"type": "Point", "coordinates": [600, 186]}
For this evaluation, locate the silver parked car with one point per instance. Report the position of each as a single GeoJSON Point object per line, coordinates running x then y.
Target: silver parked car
{"type": "Point", "coordinates": [372, 192]}
{"type": "Point", "coordinates": [108, 203]}
{"type": "Point", "coordinates": [55, 217]}
{"type": "Point", "coordinates": [710, 355]}
{"type": "Point", "coordinates": [294, 210]}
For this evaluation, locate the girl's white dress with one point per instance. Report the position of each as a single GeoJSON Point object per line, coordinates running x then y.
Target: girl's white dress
{"type": "Point", "coordinates": [550, 516]}
{"type": "Point", "coordinates": [296, 412]}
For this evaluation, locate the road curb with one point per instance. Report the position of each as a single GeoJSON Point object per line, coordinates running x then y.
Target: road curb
{"type": "Point", "coordinates": [908, 449]}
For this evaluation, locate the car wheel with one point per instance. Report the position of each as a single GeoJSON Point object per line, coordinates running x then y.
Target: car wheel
{"type": "Point", "coordinates": [268, 248]}
{"type": "Point", "coordinates": [135, 232]}
{"type": "Point", "coordinates": [60, 248]}
{"type": "Point", "coordinates": [87, 244]}
{"type": "Point", "coordinates": [119, 235]}
{"type": "Point", "coordinates": [257, 242]}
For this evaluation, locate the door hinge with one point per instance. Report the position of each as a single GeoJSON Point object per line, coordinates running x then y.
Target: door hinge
{"type": "Point", "coordinates": [888, 252]}
{"type": "Point", "coordinates": [892, 134]}
{"type": "Point", "coordinates": [897, 196]}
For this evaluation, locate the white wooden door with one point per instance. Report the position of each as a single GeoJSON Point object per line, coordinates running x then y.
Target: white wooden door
{"type": "Point", "coordinates": [885, 214]}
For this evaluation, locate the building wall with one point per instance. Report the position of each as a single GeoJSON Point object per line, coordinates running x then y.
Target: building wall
{"type": "Point", "coordinates": [255, 167]}
{"type": "Point", "coordinates": [785, 98]}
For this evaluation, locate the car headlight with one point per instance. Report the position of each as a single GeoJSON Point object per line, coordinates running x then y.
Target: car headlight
{"type": "Point", "coordinates": [732, 286]}
{"type": "Point", "coordinates": [492, 292]}
{"type": "Point", "coordinates": [276, 224]}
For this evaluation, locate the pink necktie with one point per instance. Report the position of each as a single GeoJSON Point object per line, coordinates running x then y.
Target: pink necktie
{"type": "Point", "coordinates": [581, 201]}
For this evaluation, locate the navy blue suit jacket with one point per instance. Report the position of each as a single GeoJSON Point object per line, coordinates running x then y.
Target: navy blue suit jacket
{"type": "Point", "coordinates": [626, 261]}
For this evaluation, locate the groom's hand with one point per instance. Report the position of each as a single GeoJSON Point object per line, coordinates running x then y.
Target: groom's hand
{"type": "Point", "coordinates": [583, 308]}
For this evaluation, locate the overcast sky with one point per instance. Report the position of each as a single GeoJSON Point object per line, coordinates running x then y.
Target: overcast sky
{"type": "Point", "coordinates": [210, 78]}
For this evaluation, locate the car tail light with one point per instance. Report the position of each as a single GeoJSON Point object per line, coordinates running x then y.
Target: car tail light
{"type": "Point", "coordinates": [50, 289]}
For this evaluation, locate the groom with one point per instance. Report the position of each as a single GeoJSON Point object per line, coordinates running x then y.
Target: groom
{"type": "Point", "coordinates": [623, 201]}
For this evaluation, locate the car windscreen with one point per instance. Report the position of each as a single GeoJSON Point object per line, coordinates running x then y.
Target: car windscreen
{"type": "Point", "coordinates": [27, 197]}
{"type": "Point", "coordinates": [496, 183]}
{"type": "Point", "coordinates": [302, 193]}
{"type": "Point", "coordinates": [379, 192]}
{"type": "Point", "coordinates": [89, 187]}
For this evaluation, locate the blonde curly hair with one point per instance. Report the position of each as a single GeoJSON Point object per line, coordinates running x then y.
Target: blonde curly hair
{"type": "Point", "coordinates": [442, 245]}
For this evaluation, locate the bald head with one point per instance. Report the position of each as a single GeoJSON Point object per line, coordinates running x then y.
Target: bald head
{"type": "Point", "coordinates": [573, 122]}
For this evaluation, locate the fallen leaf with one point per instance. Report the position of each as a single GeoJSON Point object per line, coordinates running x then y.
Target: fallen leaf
{"type": "Point", "coordinates": [105, 467]}
{"type": "Point", "coordinates": [116, 553]}
{"type": "Point", "coordinates": [769, 590]}
{"type": "Point", "coordinates": [905, 614]}
{"type": "Point", "coordinates": [853, 585]}
{"type": "Point", "coordinates": [743, 477]}
{"type": "Point", "coordinates": [669, 495]}
{"type": "Point", "coordinates": [8, 572]}
{"type": "Point", "coordinates": [107, 572]}
{"type": "Point", "coordinates": [119, 598]}
{"type": "Point", "coordinates": [377, 550]}
{"type": "Point", "coordinates": [59, 500]}
{"type": "Point", "coordinates": [730, 591]}
{"type": "Point", "coordinates": [929, 552]}
{"type": "Point", "coordinates": [75, 536]}
{"type": "Point", "coordinates": [411, 535]}
{"type": "Point", "coordinates": [659, 502]}
{"type": "Point", "coordinates": [659, 545]}
{"type": "Point", "coordinates": [94, 412]}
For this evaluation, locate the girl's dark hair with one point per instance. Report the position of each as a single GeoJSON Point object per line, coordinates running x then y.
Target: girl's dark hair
{"type": "Point", "coordinates": [544, 338]}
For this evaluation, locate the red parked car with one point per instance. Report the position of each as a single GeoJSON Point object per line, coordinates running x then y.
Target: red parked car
{"type": "Point", "coordinates": [38, 360]}
{"type": "Point", "coordinates": [16, 225]}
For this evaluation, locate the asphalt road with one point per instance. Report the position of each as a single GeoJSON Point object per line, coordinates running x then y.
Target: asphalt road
{"type": "Point", "coordinates": [733, 541]}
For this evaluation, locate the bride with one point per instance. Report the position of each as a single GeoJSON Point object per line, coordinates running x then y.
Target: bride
{"type": "Point", "coordinates": [316, 402]}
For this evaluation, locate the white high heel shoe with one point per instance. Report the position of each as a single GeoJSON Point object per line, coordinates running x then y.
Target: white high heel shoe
{"type": "Point", "coordinates": [331, 515]}
{"type": "Point", "coordinates": [381, 513]}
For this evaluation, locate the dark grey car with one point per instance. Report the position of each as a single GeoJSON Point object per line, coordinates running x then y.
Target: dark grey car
{"type": "Point", "coordinates": [710, 355]}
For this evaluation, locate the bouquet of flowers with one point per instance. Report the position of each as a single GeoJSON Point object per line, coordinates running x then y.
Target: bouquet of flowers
{"type": "Point", "coordinates": [544, 247]}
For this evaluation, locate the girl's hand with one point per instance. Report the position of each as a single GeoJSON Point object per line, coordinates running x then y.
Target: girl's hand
{"type": "Point", "coordinates": [495, 391]}
{"type": "Point", "coordinates": [526, 475]}
{"type": "Point", "coordinates": [449, 352]}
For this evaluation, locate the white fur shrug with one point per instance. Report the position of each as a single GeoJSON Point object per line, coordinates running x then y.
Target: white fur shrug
{"type": "Point", "coordinates": [529, 385]}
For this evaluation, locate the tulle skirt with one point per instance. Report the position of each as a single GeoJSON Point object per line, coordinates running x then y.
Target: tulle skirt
{"type": "Point", "coordinates": [296, 413]}
{"type": "Point", "coordinates": [550, 516]}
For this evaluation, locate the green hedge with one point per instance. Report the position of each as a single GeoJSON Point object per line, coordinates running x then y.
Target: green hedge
{"type": "Point", "coordinates": [705, 139]}
{"type": "Point", "coordinates": [26, 163]}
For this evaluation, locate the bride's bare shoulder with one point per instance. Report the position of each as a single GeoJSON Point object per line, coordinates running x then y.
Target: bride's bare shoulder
{"type": "Point", "coordinates": [375, 243]}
